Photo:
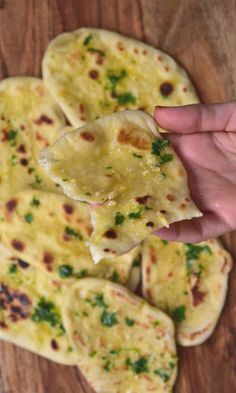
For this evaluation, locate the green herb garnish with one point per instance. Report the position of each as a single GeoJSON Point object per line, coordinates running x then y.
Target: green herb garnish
{"type": "Point", "coordinates": [125, 98]}
{"type": "Point", "coordinates": [158, 145]}
{"type": "Point", "coordinates": [129, 322]}
{"type": "Point", "coordinates": [85, 313]}
{"type": "Point", "coordinates": [71, 232]}
{"type": "Point", "coordinates": [165, 242]}
{"type": "Point", "coordinates": [109, 167]}
{"type": "Point", "coordinates": [179, 314]}
{"type": "Point", "coordinates": [115, 351]}
{"type": "Point", "coordinates": [166, 158]}
{"type": "Point", "coordinates": [13, 269]}
{"type": "Point", "coordinates": [35, 202]}
{"type": "Point", "coordinates": [94, 50]}
{"type": "Point", "coordinates": [137, 261]}
{"type": "Point", "coordinates": [46, 312]}
{"type": "Point", "coordinates": [11, 137]}
{"type": "Point", "coordinates": [137, 155]}
{"type": "Point", "coordinates": [114, 79]}
{"type": "Point", "coordinates": [139, 366]}
{"type": "Point", "coordinates": [83, 273]}
{"type": "Point", "coordinates": [108, 319]}
{"type": "Point", "coordinates": [163, 374]}
{"type": "Point", "coordinates": [28, 217]}
{"type": "Point", "coordinates": [135, 215]}
{"type": "Point", "coordinates": [193, 253]}
{"type": "Point", "coordinates": [13, 160]}
{"type": "Point", "coordinates": [87, 39]}
{"type": "Point", "coordinates": [92, 354]}
{"type": "Point", "coordinates": [115, 277]}
{"type": "Point", "coordinates": [99, 301]}
{"type": "Point", "coordinates": [65, 271]}
{"type": "Point", "coordinates": [107, 366]}
{"type": "Point", "coordinates": [119, 218]}
{"type": "Point", "coordinates": [88, 193]}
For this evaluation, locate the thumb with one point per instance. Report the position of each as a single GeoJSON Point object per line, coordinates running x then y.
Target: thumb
{"type": "Point", "coordinates": [197, 117]}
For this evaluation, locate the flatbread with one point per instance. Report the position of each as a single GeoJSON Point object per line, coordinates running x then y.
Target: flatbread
{"type": "Point", "coordinates": [94, 72]}
{"type": "Point", "coordinates": [49, 231]}
{"type": "Point", "coordinates": [30, 310]}
{"type": "Point", "coordinates": [29, 120]}
{"type": "Point", "coordinates": [131, 176]}
{"type": "Point", "coordinates": [133, 349]}
{"type": "Point", "coordinates": [188, 282]}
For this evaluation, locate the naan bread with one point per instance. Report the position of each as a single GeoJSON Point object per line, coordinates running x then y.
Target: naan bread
{"type": "Point", "coordinates": [93, 72]}
{"type": "Point", "coordinates": [131, 176]}
{"type": "Point", "coordinates": [121, 343]}
{"type": "Point", "coordinates": [188, 282]}
{"type": "Point", "coordinates": [49, 231]}
{"type": "Point", "coordinates": [29, 121]}
{"type": "Point", "coordinates": [30, 310]}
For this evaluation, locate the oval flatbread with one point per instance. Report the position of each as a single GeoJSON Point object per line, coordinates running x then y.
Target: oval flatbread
{"type": "Point", "coordinates": [29, 121]}
{"type": "Point", "coordinates": [133, 349]}
{"type": "Point", "coordinates": [50, 231]}
{"type": "Point", "coordinates": [30, 310]}
{"type": "Point", "coordinates": [131, 176]}
{"type": "Point", "coordinates": [188, 282]}
{"type": "Point", "coordinates": [93, 72]}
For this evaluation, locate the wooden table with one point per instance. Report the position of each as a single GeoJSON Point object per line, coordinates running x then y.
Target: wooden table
{"type": "Point", "coordinates": [201, 35]}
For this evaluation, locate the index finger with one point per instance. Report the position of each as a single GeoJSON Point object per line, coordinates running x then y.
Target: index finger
{"type": "Point", "coordinates": [197, 117]}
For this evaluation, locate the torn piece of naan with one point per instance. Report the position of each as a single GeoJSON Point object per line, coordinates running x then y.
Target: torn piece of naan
{"type": "Point", "coordinates": [188, 282]}
{"type": "Point", "coordinates": [132, 178]}
{"type": "Point", "coordinates": [30, 310]}
{"type": "Point", "coordinates": [121, 344]}
{"type": "Point", "coordinates": [94, 72]}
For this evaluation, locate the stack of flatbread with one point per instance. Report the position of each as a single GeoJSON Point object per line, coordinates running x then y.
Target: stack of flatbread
{"type": "Point", "coordinates": [77, 212]}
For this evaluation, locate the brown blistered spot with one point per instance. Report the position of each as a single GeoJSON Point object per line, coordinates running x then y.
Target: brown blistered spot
{"type": "Point", "coordinates": [181, 172]}
{"type": "Point", "coordinates": [163, 211]}
{"type": "Point", "coordinates": [110, 234]}
{"type": "Point", "coordinates": [170, 197]}
{"type": "Point", "coordinates": [142, 108]}
{"type": "Point", "coordinates": [149, 295]}
{"type": "Point", "coordinates": [108, 250]}
{"type": "Point", "coordinates": [136, 50]}
{"type": "Point", "coordinates": [81, 108]}
{"type": "Point", "coordinates": [15, 303]}
{"type": "Point", "coordinates": [166, 88]}
{"type": "Point", "coordinates": [82, 118]}
{"type": "Point", "coordinates": [185, 89]}
{"type": "Point", "coordinates": [21, 149]}
{"type": "Point", "coordinates": [54, 344]}
{"type": "Point", "coordinates": [183, 206]}
{"type": "Point", "coordinates": [87, 136]}
{"type": "Point", "coordinates": [134, 137]}
{"type": "Point", "coordinates": [99, 60]}
{"type": "Point", "coordinates": [30, 170]}
{"type": "Point", "coordinates": [150, 224]}
{"type": "Point", "coordinates": [197, 295]}
{"type": "Point", "coordinates": [167, 68]}
{"type": "Point", "coordinates": [22, 127]}
{"type": "Point", "coordinates": [23, 264]}
{"type": "Point", "coordinates": [144, 199]}
{"type": "Point", "coordinates": [39, 137]}
{"type": "Point", "coordinates": [192, 336]}
{"type": "Point", "coordinates": [5, 135]}
{"type": "Point", "coordinates": [18, 245]}
{"type": "Point", "coordinates": [3, 325]}
{"type": "Point", "coordinates": [187, 200]}
{"type": "Point", "coordinates": [43, 119]}
{"type": "Point", "coordinates": [152, 255]}
{"type": "Point", "coordinates": [68, 208]}
{"type": "Point", "coordinates": [66, 238]}
{"type": "Point", "coordinates": [11, 204]}
{"type": "Point", "coordinates": [93, 74]}
{"type": "Point", "coordinates": [144, 52]}
{"type": "Point", "coordinates": [48, 259]}
{"type": "Point", "coordinates": [24, 162]}
{"type": "Point", "coordinates": [2, 118]}
{"type": "Point", "coordinates": [89, 230]}
{"type": "Point", "coordinates": [120, 46]}
{"type": "Point", "coordinates": [148, 270]}
{"type": "Point", "coordinates": [159, 58]}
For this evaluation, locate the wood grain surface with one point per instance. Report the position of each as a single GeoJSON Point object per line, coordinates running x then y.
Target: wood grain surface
{"type": "Point", "coordinates": [201, 36]}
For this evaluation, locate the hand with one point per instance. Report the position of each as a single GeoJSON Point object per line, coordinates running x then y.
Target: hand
{"type": "Point", "coordinates": [204, 137]}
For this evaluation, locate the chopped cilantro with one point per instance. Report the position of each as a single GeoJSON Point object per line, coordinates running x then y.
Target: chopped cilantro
{"type": "Point", "coordinates": [148, 208]}
{"type": "Point", "coordinates": [11, 137]}
{"type": "Point", "coordinates": [85, 313]}
{"type": "Point", "coordinates": [37, 181]}
{"type": "Point", "coordinates": [35, 202]}
{"type": "Point", "coordinates": [179, 314]}
{"type": "Point", "coordinates": [107, 366]}
{"type": "Point", "coordinates": [46, 312]}
{"type": "Point", "coordinates": [171, 365]}
{"type": "Point", "coordinates": [129, 322]}
{"type": "Point", "coordinates": [125, 98]}
{"type": "Point", "coordinates": [65, 271]}
{"type": "Point", "coordinates": [119, 218]}
{"type": "Point", "coordinates": [163, 374]}
{"type": "Point", "coordinates": [135, 215]}
{"type": "Point", "coordinates": [71, 232]}
{"type": "Point", "coordinates": [165, 242]}
{"type": "Point", "coordinates": [114, 79]}
{"type": "Point", "coordinates": [156, 323]}
{"type": "Point", "coordinates": [109, 167]}
{"type": "Point", "coordinates": [13, 269]}
{"type": "Point", "coordinates": [193, 253]}
{"type": "Point", "coordinates": [115, 277]}
{"type": "Point", "coordinates": [108, 319]}
{"type": "Point", "coordinates": [87, 39]}
{"type": "Point", "coordinates": [13, 160]}
{"type": "Point", "coordinates": [137, 155]}
{"type": "Point", "coordinates": [94, 50]}
{"type": "Point", "coordinates": [158, 145]}
{"type": "Point", "coordinates": [166, 158]}
{"type": "Point", "coordinates": [88, 193]}
{"type": "Point", "coordinates": [28, 217]}
{"type": "Point", "coordinates": [92, 354]}
{"type": "Point", "coordinates": [81, 274]}
{"type": "Point", "coordinates": [70, 349]}
{"type": "Point", "coordinates": [99, 301]}
{"type": "Point", "coordinates": [137, 261]}
{"type": "Point", "coordinates": [115, 351]}
{"type": "Point", "coordinates": [139, 366]}
{"type": "Point", "coordinates": [65, 180]}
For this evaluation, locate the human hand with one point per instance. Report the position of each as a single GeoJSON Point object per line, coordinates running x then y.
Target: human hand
{"type": "Point", "coordinates": [204, 136]}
